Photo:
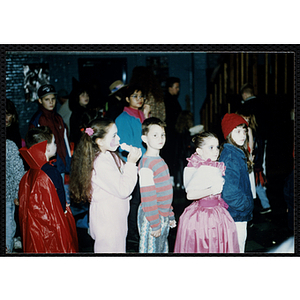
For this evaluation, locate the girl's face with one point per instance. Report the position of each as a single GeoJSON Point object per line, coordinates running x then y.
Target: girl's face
{"type": "Point", "coordinates": [136, 100]}
{"type": "Point", "coordinates": [111, 140]}
{"type": "Point", "coordinates": [84, 99]}
{"type": "Point", "coordinates": [9, 119]}
{"type": "Point", "coordinates": [238, 135]}
{"type": "Point", "coordinates": [209, 149]}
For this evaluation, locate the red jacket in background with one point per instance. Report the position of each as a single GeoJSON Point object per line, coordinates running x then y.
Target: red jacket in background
{"type": "Point", "coordinates": [45, 227]}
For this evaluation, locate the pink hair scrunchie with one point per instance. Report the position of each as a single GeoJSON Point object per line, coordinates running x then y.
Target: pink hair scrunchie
{"type": "Point", "coordinates": [89, 131]}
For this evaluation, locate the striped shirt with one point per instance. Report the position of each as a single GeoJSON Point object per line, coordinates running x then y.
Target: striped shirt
{"type": "Point", "coordinates": [156, 190]}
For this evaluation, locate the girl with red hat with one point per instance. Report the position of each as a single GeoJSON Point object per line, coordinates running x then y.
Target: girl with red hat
{"type": "Point", "coordinates": [237, 190]}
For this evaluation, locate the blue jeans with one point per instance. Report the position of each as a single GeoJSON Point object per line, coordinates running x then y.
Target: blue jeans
{"type": "Point", "coordinates": [10, 226]}
{"type": "Point", "coordinates": [261, 192]}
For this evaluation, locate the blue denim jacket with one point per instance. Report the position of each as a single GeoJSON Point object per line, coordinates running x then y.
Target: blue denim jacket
{"type": "Point", "coordinates": [237, 191]}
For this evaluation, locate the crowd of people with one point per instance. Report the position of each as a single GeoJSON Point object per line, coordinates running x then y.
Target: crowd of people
{"type": "Point", "coordinates": [101, 181]}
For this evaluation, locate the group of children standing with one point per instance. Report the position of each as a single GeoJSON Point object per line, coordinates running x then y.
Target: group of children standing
{"type": "Point", "coordinates": [215, 222]}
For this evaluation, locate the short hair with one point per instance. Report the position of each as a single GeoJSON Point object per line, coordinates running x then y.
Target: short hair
{"type": "Point", "coordinates": [151, 121]}
{"type": "Point", "coordinates": [247, 88]}
{"type": "Point", "coordinates": [37, 135]}
{"type": "Point", "coordinates": [171, 80]}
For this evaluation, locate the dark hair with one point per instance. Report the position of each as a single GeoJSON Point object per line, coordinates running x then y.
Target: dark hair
{"type": "Point", "coordinates": [37, 135]}
{"type": "Point", "coordinates": [247, 88]}
{"type": "Point", "coordinates": [11, 109]}
{"type": "Point", "coordinates": [131, 88]}
{"type": "Point", "coordinates": [149, 122]}
{"type": "Point", "coordinates": [13, 131]}
{"type": "Point", "coordinates": [171, 80]}
{"type": "Point", "coordinates": [83, 160]}
{"type": "Point", "coordinates": [245, 113]}
{"type": "Point", "coordinates": [74, 97]}
{"type": "Point", "coordinates": [145, 78]}
{"type": "Point", "coordinates": [199, 138]}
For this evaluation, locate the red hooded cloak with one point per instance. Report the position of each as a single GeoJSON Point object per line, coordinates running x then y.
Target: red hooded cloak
{"type": "Point", "coordinates": [45, 227]}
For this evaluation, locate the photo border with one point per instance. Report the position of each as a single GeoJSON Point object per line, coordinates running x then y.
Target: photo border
{"type": "Point", "coordinates": [136, 48]}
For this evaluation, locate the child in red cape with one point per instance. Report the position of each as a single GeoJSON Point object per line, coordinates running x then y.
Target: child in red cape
{"type": "Point", "coordinates": [46, 221]}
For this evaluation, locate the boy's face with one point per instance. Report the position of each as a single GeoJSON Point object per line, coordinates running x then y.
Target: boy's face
{"type": "Point", "coordinates": [48, 102]}
{"type": "Point", "coordinates": [51, 148]}
{"type": "Point", "coordinates": [156, 137]}
{"type": "Point", "coordinates": [136, 100]}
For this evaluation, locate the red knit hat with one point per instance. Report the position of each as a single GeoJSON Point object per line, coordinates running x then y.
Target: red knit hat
{"type": "Point", "coordinates": [230, 121]}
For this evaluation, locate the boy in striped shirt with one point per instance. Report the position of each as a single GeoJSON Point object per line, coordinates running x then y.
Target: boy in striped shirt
{"type": "Point", "coordinates": [155, 213]}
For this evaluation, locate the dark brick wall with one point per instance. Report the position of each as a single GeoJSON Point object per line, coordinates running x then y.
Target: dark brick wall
{"type": "Point", "coordinates": [64, 65]}
{"type": "Point", "coordinates": [61, 70]}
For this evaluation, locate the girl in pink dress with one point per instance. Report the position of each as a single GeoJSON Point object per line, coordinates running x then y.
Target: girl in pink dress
{"type": "Point", "coordinates": [205, 226]}
{"type": "Point", "coordinates": [101, 177]}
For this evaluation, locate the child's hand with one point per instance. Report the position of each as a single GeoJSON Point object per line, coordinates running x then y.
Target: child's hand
{"type": "Point", "coordinates": [16, 201]}
{"type": "Point", "coordinates": [156, 233]}
{"type": "Point", "coordinates": [172, 223]}
{"type": "Point", "coordinates": [146, 110]}
{"type": "Point", "coordinates": [134, 154]}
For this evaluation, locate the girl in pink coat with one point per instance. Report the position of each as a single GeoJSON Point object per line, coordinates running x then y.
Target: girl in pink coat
{"type": "Point", "coordinates": [100, 176]}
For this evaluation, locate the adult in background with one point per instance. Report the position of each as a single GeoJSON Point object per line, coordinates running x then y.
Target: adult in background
{"type": "Point", "coordinates": [173, 109]}
{"type": "Point", "coordinates": [253, 106]}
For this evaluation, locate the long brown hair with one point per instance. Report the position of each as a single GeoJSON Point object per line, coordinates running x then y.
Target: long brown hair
{"type": "Point", "coordinates": [83, 159]}
{"type": "Point", "coordinates": [246, 114]}
{"type": "Point", "coordinates": [244, 148]}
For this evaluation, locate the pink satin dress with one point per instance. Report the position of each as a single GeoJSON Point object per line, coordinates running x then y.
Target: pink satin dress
{"type": "Point", "coordinates": [205, 226]}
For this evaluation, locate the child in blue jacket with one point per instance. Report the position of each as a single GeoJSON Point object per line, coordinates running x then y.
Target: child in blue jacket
{"type": "Point", "coordinates": [236, 190]}
{"type": "Point", "coordinates": [129, 124]}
